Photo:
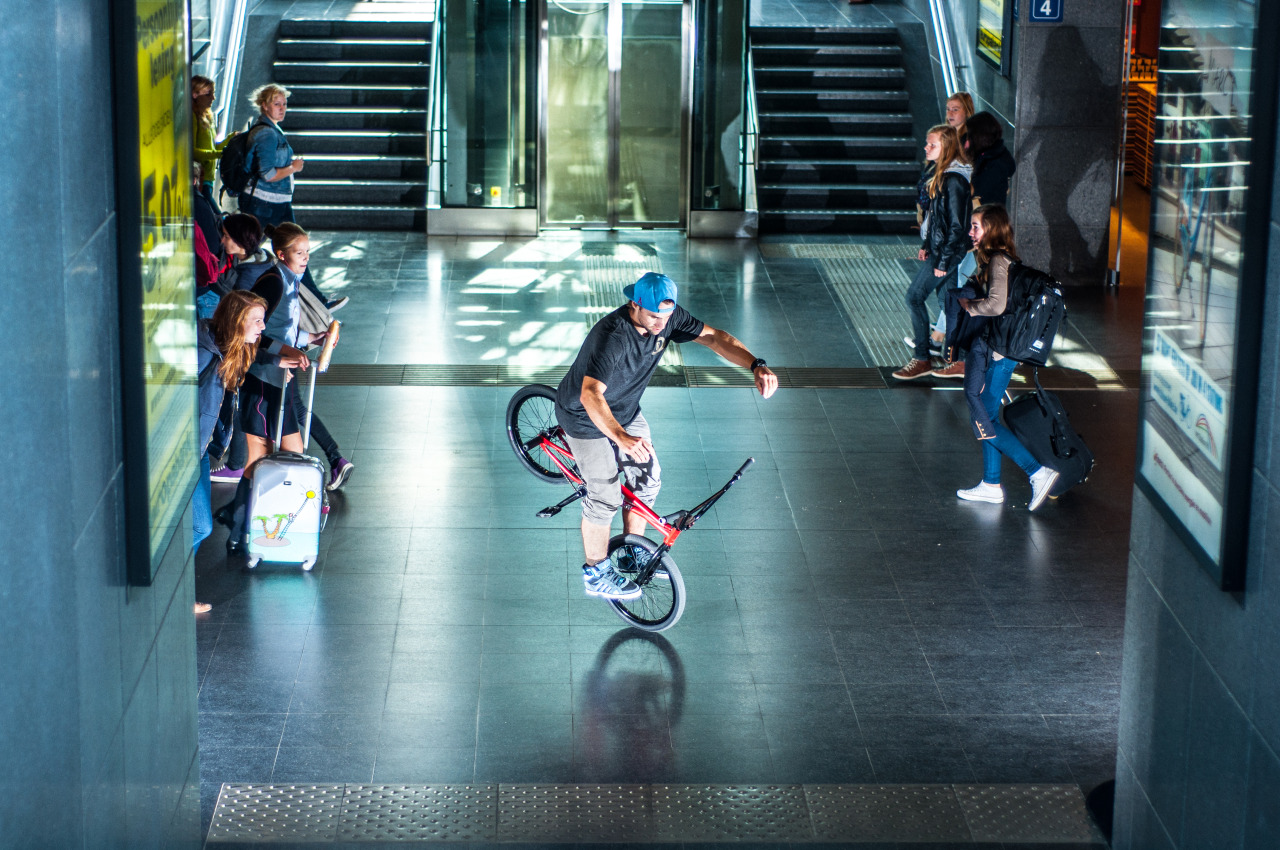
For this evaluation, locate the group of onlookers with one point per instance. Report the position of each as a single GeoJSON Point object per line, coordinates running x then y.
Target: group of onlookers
{"type": "Point", "coordinates": [967, 247]}
{"type": "Point", "coordinates": [258, 311]}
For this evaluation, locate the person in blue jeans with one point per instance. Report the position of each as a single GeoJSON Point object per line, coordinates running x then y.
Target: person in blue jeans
{"type": "Point", "coordinates": [988, 370]}
{"type": "Point", "coordinates": [944, 242]}
{"type": "Point", "coordinates": [272, 164]}
{"type": "Point", "coordinates": [227, 345]}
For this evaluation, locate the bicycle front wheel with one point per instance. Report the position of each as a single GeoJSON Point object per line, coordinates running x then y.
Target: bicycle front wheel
{"type": "Point", "coordinates": [531, 413]}
{"type": "Point", "coordinates": [661, 601]}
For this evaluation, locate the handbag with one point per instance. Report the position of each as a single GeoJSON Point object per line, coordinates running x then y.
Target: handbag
{"type": "Point", "coordinates": [315, 316]}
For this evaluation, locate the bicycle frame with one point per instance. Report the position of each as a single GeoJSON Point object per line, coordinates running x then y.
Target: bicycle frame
{"type": "Point", "coordinates": [669, 526]}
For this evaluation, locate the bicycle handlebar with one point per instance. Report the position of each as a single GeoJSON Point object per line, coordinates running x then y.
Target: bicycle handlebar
{"type": "Point", "coordinates": [743, 468]}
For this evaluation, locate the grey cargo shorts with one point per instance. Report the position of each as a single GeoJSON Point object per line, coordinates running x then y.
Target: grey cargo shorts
{"type": "Point", "coordinates": [599, 464]}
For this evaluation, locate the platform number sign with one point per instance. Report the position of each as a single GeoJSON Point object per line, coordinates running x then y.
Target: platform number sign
{"type": "Point", "coordinates": [1046, 11]}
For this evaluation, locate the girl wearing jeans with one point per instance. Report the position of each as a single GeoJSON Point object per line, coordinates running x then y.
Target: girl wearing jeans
{"type": "Point", "coordinates": [987, 370]}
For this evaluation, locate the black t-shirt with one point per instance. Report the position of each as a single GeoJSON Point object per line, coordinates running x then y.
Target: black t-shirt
{"type": "Point", "coordinates": [617, 355]}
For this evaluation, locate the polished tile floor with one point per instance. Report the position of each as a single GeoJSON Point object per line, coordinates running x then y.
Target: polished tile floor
{"type": "Point", "coordinates": [849, 620]}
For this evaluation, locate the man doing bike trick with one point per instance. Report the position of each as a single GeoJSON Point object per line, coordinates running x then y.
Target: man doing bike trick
{"type": "Point", "coordinates": [598, 406]}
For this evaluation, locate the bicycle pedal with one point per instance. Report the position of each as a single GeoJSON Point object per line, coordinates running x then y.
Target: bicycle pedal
{"type": "Point", "coordinates": [547, 513]}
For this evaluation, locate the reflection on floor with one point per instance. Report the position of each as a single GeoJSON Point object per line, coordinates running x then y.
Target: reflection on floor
{"type": "Point", "coordinates": [849, 620]}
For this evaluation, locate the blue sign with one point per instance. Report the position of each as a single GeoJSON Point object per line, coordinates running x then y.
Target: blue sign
{"type": "Point", "coordinates": [1046, 11]}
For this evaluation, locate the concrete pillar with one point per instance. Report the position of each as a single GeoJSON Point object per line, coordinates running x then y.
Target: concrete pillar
{"type": "Point", "coordinates": [1066, 129]}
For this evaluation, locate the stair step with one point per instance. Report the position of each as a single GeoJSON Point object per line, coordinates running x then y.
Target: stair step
{"type": "Point", "coordinates": [357, 118]}
{"type": "Point", "coordinates": [404, 193]}
{"type": "Point", "coordinates": [350, 72]}
{"type": "Point", "coordinates": [379, 50]}
{"type": "Point", "coordinates": [833, 123]}
{"type": "Point", "coordinates": [358, 141]}
{"type": "Point", "coordinates": [823, 100]}
{"type": "Point", "coordinates": [904, 172]}
{"type": "Point", "coordinates": [848, 58]}
{"type": "Point", "coordinates": [883, 57]}
{"type": "Point", "coordinates": [837, 221]}
{"type": "Point", "coordinates": [780, 197]}
{"type": "Point", "coordinates": [854, 147]}
{"type": "Point", "coordinates": [364, 95]}
{"type": "Point", "coordinates": [335, 166]}
{"type": "Point", "coordinates": [348, 28]}
{"type": "Point", "coordinates": [824, 35]}
{"type": "Point", "coordinates": [842, 79]}
{"type": "Point", "coordinates": [341, 217]}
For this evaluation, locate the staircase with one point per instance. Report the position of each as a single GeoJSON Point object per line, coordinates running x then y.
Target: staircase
{"type": "Point", "coordinates": [836, 153]}
{"type": "Point", "coordinates": [357, 113]}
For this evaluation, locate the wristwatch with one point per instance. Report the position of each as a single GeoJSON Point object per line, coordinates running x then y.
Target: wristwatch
{"type": "Point", "coordinates": [757, 363]}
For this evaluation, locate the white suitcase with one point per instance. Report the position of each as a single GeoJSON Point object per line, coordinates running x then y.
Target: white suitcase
{"type": "Point", "coordinates": [288, 504]}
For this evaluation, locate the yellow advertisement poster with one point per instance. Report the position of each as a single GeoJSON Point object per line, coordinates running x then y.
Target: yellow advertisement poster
{"type": "Point", "coordinates": [991, 15]}
{"type": "Point", "coordinates": [167, 264]}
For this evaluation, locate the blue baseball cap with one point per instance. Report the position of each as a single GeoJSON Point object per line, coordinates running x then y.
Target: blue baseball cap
{"type": "Point", "coordinates": [650, 291]}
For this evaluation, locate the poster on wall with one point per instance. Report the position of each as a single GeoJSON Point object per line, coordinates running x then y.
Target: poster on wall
{"type": "Point", "coordinates": [157, 276]}
{"type": "Point", "coordinates": [1205, 277]}
{"type": "Point", "coordinates": [993, 32]}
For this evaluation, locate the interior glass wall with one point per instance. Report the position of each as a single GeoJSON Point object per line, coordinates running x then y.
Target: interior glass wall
{"type": "Point", "coordinates": [719, 105]}
{"type": "Point", "coordinates": [490, 79]}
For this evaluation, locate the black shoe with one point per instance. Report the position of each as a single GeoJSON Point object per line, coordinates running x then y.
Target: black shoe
{"type": "Point", "coordinates": [235, 546]}
{"type": "Point", "coordinates": [337, 304]}
{"type": "Point", "coordinates": [225, 515]}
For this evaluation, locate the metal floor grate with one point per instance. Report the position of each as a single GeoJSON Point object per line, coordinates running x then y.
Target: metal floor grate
{"type": "Point", "coordinates": [678, 375]}
{"type": "Point", "coordinates": [826, 251]}
{"type": "Point", "coordinates": [580, 814]}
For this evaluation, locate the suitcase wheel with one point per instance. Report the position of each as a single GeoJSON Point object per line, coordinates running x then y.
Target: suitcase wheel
{"type": "Point", "coordinates": [253, 561]}
{"type": "Point", "coordinates": [307, 566]}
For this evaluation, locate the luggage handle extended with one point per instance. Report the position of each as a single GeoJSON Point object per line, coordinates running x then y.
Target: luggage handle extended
{"type": "Point", "coordinates": [321, 365]}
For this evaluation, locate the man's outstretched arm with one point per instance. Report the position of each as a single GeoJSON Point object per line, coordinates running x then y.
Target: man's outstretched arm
{"type": "Point", "coordinates": [728, 347]}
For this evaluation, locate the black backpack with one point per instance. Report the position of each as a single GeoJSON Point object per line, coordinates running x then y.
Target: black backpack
{"type": "Point", "coordinates": [1033, 312]}
{"type": "Point", "coordinates": [234, 167]}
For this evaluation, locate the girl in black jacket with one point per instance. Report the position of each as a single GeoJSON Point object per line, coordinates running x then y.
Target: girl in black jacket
{"type": "Point", "coordinates": [945, 234]}
{"type": "Point", "coordinates": [988, 370]}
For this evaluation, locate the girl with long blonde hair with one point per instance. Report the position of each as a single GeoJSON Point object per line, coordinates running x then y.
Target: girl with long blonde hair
{"type": "Point", "coordinates": [944, 242]}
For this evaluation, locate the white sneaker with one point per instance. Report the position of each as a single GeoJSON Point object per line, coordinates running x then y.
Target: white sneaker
{"type": "Point", "coordinates": [1042, 482]}
{"type": "Point", "coordinates": [983, 492]}
{"type": "Point", "coordinates": [604, 581]}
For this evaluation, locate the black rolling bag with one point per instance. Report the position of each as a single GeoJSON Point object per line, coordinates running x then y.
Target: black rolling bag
{"type": "Point", "coordinates": [1040, 423]}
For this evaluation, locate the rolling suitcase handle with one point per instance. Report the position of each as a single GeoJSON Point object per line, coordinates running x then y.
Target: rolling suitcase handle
{"type": "Point", "coordinates": [322, 365]}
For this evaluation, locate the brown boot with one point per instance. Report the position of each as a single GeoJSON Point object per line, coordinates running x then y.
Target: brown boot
{"type": "Point", "coordinates": [951, 370]}
{"type": "Point", "coordinates": [915, 368]}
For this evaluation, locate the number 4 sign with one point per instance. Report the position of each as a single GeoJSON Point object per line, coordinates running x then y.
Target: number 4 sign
{"type": "Point", "coordinates": [1046, 11]}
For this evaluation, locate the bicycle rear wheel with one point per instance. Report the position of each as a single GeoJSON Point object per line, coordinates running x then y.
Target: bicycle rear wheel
{"type": "Point", "coordinates": [661, 601]}
{"type": "Point", "coordinates": [530, 413]}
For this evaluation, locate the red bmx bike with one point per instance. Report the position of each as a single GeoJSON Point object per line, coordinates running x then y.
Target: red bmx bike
{"type": "Point", "coordinates": [540, 446]}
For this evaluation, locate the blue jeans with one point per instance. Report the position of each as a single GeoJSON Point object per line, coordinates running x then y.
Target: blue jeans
{"type": "Point", "coordinates": [925, 284]}
{"type": "Point", "coordinates": [202, 506]}
{"type": "Point", "coordinates": [1003, 443]}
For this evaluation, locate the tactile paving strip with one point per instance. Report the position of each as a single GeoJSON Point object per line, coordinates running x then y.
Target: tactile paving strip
{"type": "Point", "coordinates": [1025, 813]}
{"type": "Point", "coordinates": [277, 813]}
{"type": "Point", "coordinates": [574, 813]}
{"type": "Point", "coordinates": [419, 813]}
{"type": "Point", "coordinates": [731, 813]}
{"type": "Point", "coordinates": [886, 813]}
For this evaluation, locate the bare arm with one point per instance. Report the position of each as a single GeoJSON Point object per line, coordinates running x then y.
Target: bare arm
{"type": "Point", "coordinates": [592, 398]}
{"type": "Point", "coordinates": [728, 347]}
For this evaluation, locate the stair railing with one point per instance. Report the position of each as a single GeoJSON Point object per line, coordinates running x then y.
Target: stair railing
{"type": "Point", "coordinates": [437, 141]}
{"type": "Point", "coordinates": [946, 58]}
{"type": "Point", "coordinates": [751, 139]}
{"type": "Point", "coordinates": [228, 20]}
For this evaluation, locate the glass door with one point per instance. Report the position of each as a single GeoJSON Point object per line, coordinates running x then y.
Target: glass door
{"type": "Point", "coordinates": [614, 113]}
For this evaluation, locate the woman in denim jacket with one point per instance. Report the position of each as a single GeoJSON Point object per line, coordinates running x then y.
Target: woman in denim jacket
{"type": "Point", "coordinates": [271, 163]}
